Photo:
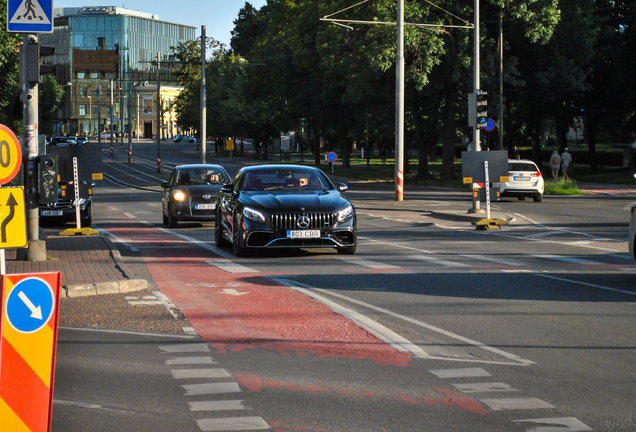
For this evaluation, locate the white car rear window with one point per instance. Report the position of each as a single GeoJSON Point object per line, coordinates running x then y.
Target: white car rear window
{"type": "Point", "coordinates": [522, 166]}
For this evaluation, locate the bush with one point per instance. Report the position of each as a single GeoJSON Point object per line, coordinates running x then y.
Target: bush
{"type": "Point", "coordinates": [562, 187]}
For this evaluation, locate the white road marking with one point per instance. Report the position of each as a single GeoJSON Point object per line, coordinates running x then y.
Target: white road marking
{"type": "Point", "coordinates": [565, 259]}
{"type": "Point", "coordinates": [130, 215]}
{"type": "Point", "coordinates": [199, 243]}
{"type": "Point", "coordinates": [571, 425]}
{"type": "Point", "coordinates": [496, 260]}
{"type": "Point", "coordinates": [90, 406]}
{"type": "Point", "coordinates": [484, 387]}
{"type": "Point", "coordinates": [436, 261]}
{"type": "Point", "coordinates": [514, 404]}
{"type": "Point", "coordinates": [161, 335]}
{"type": "Point", "coordinates": [116, 239]}
{"type": "Point", "coordinates": [586, 284]}
{"type": "Point", "coordinates": [199, 373]}
{"type": "Point", "coordinates": [190, 361]}
{"type": "Point", "coordinates": [233, 424]}
{"type": "Point", "coordinates": [145, 303]}
{"type": "Point", "coordinates": [399, 341]}
{"type": "Point", "coordinates": [370, 264]}
{"type": "Point", "coordinates": [211, 388]}
{"type": "Point", "coordinates": [189, 330]}
{"type": "Point", "coordinates": [171, 307]}
{"type": "Point", "coordinates": [181, 348]}
{"type": "Point", "coordinates": [232, 291]}
{"type": "Point", "coordinates": [230, 266]}
{"type": "Point", "coordinates": [225, 405]}
{"type": "Point", "coordinates": [460, 373]}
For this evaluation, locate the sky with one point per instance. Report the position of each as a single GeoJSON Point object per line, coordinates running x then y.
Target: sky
{"type": "Point", "coordinates": [216, 15]}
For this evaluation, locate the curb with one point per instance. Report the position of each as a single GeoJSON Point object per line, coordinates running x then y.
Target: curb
{"type": "Point", "coordinates": [130, 284]}
{"type": "Point", "coordinates": [100, 288]}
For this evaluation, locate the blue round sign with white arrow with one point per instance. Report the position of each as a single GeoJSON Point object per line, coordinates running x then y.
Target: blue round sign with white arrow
{"type": "Point", "coordinates": [30, 305]}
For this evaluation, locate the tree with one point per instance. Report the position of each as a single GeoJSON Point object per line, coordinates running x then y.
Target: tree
{"type": "Point", "coordinates": [50, 97]}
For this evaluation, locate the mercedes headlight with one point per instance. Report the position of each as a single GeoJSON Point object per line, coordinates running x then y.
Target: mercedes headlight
{"type": "Point", "coordinates": [253, 215]}
{"type": "Point", "coordinates": [179, 195]}
{"type": "Point", "coordinates": [345, 214]}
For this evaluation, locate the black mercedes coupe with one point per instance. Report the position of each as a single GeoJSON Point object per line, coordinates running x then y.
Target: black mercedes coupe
{"type": "Point", "coordinates": [284, 206]}
{"type": "Point", "coordinates": [190, 193]}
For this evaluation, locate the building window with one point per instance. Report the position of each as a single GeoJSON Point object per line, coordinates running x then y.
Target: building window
{"type": "Point", "coordinates": [94, 75]}
{"type": "Point", "coordinates": [81, 75]}
{"type": "Point", "coordinates": [82, 110]}
{"type": "Point", "coordinates": [147, 105]}
{"type": "Point", "coordinates": [83, 91]}
{"type": "Point", "coordinates": [109, 76]}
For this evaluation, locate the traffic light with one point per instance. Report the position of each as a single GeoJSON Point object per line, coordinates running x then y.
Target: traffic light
{"type": "Point", "coordinates": [482, 108]}
{"type": "Point", "coordinates": [35, 52]}
{"type": "Point", "coordinates": [47, 178]}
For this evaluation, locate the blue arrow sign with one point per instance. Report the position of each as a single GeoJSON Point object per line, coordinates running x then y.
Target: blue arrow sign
{"type": "Point", "coordinates": [30, 16]}
{"type": "Point", "coordinates": [30, 305]}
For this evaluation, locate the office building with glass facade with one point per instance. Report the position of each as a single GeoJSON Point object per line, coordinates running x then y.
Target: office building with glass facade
{"type": "Point", "coordinates": [108, 53]}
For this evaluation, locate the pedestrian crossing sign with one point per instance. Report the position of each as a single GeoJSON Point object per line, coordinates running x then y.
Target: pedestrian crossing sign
{"type": "Point", "coordinates": [30, 16]}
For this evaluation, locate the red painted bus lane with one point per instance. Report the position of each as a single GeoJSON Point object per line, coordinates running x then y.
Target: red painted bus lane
{"type": "Point", "coordinates": [261, 314]}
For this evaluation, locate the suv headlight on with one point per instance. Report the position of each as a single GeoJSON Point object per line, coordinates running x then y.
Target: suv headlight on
{"type": "Point", "coordinates": [345, 214]}
{"type": "Point", "coordinates": [179, 195]}
{"type": "Point", "coordinates": [253, 215]}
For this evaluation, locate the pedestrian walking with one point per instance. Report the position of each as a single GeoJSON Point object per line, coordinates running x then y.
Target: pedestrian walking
{"type": "Point", "coordinates": [566, 161]}
{"type": "Point", "coordinates": [555, 164]}
{"type": "Point", "coordinates": [514, 154]}
{"type": "Point", "coordinates": [383, 154]}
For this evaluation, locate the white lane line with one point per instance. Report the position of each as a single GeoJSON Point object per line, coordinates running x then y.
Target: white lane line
{"type": "Point", "coordinates": [165, 301]}
{"type": "Point", "coordinates": [225, 405]}
{"type": "Point", "coordinates": [564, 259]}
{"type": "Point", "coordinates": [211, 388]}
{"type": "Point", "coordinates": [460, 373]}
{"type": "Point", "coordinates": [309, 290]}
{"type": "Point", "coordinates": [182, 348]}
{"type": "Point", "coordinates": [190, 361]}
{"type": "Point", "coordinates": [199, 243]}
{"type": "Point", "coordinates": [515, 404]}
{"type": "Point", "coordinates": [370, 264]}
{"type": "Point", "coordinates": [484, 387]}
{"type": "Point", "coordinates": [199, 373]}
{"type": "Point", "coordinates": [496, 260]}
{"type": "Point", "coordinates": [116, 239]}
{"type": "Point", "coordinates": [130, 215]}
{"type": "Point", "coordinates": [388, 336]}
{"type": "Point", "coordinates": [145, 303]}
{"type": "Point", "coordinates": [436, 261]}
{"type": "Point", "coordinates": [233, 424]}
{"type": "Point", "coordinates": [571, 425]}
{"type": "Point", "coordinates": [587, 284]}
{"type": "Point", "coordinates": [160, 335]}
{"type": "Point", "coordinates": [230, 266]}
{"type": "Point", "coordinates": [89, 406]}
{"type": "Point", "coordinates": [544, 234]}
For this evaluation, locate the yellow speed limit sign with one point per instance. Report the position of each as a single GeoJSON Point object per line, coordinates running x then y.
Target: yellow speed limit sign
{"type": "Point", "coordinates": [10, 155]}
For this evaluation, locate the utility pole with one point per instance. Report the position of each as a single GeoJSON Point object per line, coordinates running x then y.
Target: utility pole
{"type": "Point", "coordinates": [158, 115]}
{"type": "Point", "coordinates": [501, 105]}
{"type": "Point", "coordinates": [203, 97]}
{"type": "Point", "coordinates": [399, 106]}
{"type": "Point", "coordinates": [129, 115]}
{"type": "Point", "coordinates": [112, 150]}
{"type": "Point", "coordinates": [37, 248]}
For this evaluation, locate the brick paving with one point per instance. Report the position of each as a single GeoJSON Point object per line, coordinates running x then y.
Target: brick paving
{"type": "Point", "coordinates": [80, 259]}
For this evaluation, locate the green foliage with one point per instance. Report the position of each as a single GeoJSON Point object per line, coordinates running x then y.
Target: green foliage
{"type": "Point", "coordinates": [10, 106]}
{"type": "Point", "coordinates": [563, 187]}
{"type": "Point", "coordinates": [50, 97]}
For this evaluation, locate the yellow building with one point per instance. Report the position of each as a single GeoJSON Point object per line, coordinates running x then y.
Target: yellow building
{"type": "Point", "coordinates": [145, 100]}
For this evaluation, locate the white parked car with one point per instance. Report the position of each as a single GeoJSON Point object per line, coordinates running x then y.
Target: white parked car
{"type": "Point", "coordinates": [525, 181]}
{"type": "Point", "coordinates": [107, 135]}
{"type": "Point", "coordinates": [632, 233]}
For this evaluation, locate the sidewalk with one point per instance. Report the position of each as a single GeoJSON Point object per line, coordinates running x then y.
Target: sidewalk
{"type": "Point", "coordinates": [89, 265]}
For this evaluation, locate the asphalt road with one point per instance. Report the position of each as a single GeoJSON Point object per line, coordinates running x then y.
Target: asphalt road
{"type": "Point", "coordinates": [430, 326]}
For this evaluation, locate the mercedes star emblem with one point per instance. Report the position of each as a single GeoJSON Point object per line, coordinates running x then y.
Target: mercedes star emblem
{"type": "Point", "coordinates": [303, 222]}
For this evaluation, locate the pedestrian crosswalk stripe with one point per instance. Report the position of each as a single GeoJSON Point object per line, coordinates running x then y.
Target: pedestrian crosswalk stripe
{"type": "Point", "coordinates": [566, 259]}
{"type": "Point", "coordinates": [484, 387]}
{"type": "Point", "coordinates": [436, 261]}
{"type": "Point", "coordinates": [211, 388]}
{"type": "Point", "coordinates": [230, 266]}
{"type": "Point", "coordinates": [496, 260]}
{"type": "Point", "coordinates": [370, 264]}
{"type": "Point", "coordinates": [181, 348]}
{"type": "Point", "coordinates": [514, 404]}
{"type": "Point", "coordinates": [460, 373]}
{"type": "Point", "coordinates": [233, 424]}
{"type": "Point", "coordinates": [223, 405]}
{"type": "Point", "coordinates": [190, 360]}
{"type": "Point", "coordinates": [200, 373]}
{"type": "Point", "coordinates": [571, 424]}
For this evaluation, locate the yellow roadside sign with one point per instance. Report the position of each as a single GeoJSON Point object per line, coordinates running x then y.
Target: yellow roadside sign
{"type": "Point", "coordinates": [12, 218]}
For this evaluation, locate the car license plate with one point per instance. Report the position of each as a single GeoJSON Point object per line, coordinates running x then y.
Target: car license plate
{"type": "Point", "coordinates": [205, 206]}
{"type": "Point", "coordinates": [523, 178]}
{"type": "Point", "coordinates": [300, 234]}
{"type": "Point", "coordinates": [51, 213]}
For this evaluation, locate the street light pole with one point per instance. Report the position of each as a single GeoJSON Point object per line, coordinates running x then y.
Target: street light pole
{"type": "Point", "coordinates": [399, 106]}
{"type": "Point", "coordinates": [90, 115]}
{"type": "Point", "coordinates": [158, 115]}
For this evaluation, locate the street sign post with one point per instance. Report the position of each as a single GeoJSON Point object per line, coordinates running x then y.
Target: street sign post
{"type": "Point", "coordinates": [30, 16]}
{"type": "Point", "coordinates": [28, 341]}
